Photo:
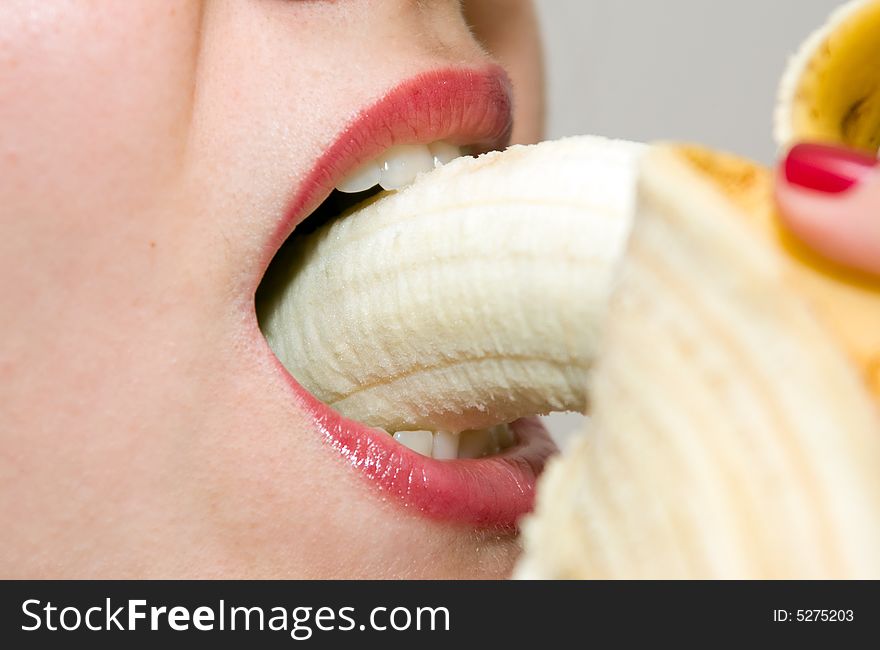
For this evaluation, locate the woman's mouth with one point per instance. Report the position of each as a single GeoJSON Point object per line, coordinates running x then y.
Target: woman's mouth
{"type": "Point", "coordinates": [482, 477]}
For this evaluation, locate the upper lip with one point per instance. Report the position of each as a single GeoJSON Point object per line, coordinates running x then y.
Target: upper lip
{"type": "Point", "coordinates": [465, 107]}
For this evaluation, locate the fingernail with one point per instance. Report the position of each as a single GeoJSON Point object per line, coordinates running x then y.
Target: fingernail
{"type": "Point", "coordinates": [826, 168]}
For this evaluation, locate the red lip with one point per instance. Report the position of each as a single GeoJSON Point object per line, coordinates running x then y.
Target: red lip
{"type": "Point", "coordinates": [462, 106]}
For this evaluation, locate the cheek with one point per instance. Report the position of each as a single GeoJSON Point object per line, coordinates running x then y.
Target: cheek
{"type": "Point", "coordinates": [94, 101]}
{"type": "Point", "coordinates": [98, 94]}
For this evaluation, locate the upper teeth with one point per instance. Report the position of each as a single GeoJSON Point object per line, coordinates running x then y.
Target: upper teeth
{"type": "Point", "coordinates": [398, 166]}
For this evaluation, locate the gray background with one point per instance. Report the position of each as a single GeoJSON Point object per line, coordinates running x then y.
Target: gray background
{"type": "Point", "coordinates": [701, 70]}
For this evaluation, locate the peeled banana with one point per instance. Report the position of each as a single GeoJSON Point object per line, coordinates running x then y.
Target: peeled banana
{"type": "Point", "coordinates": [733, 377]}
{"type": "Point", "coordinates": [468, 299]}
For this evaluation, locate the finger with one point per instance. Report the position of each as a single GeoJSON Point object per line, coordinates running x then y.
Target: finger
{"type": "Point", "coordinates": [830, 198]}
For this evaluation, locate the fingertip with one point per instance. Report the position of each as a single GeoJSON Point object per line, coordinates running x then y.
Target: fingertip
{"type": "Point", "coordinates": [829, 197]}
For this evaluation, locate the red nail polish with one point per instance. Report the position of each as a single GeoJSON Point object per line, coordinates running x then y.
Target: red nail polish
{"type": "Point", "coordinates": [826, 168]}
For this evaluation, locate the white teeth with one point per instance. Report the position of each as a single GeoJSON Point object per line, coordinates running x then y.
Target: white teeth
{"type": "Point", "coordinates": [398, 166]}
{"type": "Point", "coordinates": [445, 445]}
{"type": "Point", "coordinates": [443, 152]}
{"type": "Point", "coordinates": [362, 178]}
{"type": "Point", "coordinates": [419, 441]}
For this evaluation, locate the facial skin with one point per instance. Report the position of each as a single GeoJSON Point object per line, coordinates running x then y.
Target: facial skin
{"type": "Point", "coordinates": [146, 150]}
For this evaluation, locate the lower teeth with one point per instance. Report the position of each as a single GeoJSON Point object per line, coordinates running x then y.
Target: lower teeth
{"type": "Point", "coordinates": [444, 445]}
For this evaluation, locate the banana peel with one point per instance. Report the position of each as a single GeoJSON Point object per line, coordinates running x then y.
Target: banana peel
{"type": "Point", "coordinates": [830, 91]}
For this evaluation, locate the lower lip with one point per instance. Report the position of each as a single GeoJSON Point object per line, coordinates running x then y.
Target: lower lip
{"type": "Point", "coordinates": [487, 492]}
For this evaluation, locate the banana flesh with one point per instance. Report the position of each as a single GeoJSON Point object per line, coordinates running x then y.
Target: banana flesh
{"type": "Point", "coordinates": [747, 443]}
{"type": "Point", "coordinates": [469, 298]}
{"type": "Point", "coordinates": [830, 90]}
